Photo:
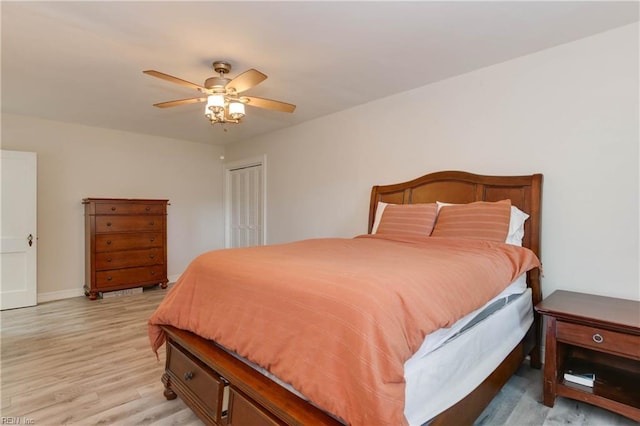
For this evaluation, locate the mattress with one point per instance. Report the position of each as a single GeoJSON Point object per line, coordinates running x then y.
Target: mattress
{"type": "Point", "coordinates": [449, 373]}
{"type": "Point", "coordinates": [453, 361]}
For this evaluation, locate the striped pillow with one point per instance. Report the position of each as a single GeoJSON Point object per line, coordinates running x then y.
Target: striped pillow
{"type": "Point", "coordinates": [481, 220]}
{"type": "Point", "coordinates": [408, 220]}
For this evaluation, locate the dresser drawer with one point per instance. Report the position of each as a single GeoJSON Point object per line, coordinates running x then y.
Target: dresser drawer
{"type": "Point", "coordinates": [115, 242]}
{"type": "Point", "coordinates": [196, 378]}
{"type": "Point", "coordinates": [132, 208]}
{"type": "Point", "coordinates": [129, 223]}
{"type": "Point", "coordinates": [626, 345]}
{"type": "Point", "coordinates": [133, 277]}
{"type": "Point", "coordinates": [129, 258]}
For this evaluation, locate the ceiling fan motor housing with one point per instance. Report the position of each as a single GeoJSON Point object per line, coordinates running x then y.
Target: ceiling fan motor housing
{"type": "Point", "coordinates": [216, 84]}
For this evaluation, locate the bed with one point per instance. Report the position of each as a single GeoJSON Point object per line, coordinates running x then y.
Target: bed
{"type": "Point", "coordinates": [223, 387]}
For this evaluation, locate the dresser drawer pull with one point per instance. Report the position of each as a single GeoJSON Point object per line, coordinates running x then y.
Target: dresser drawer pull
{"type": "Point", "coordinates": [152, 223]}
{"type": "Point", "coordinates": [109, 278]}
{"type": "Point", "coordinates": [151, 256]}
{"type": "Point", "coordinates": [598, 338]}
{"type": "Point", "coordinates": [108, 223]}
{"type": "Point", "coordinates": [148, 209]}
{"type": "Point", "coordinates": [113, 209]}
{"type": "Point", "coordinates": [188, 375]}
{"type": "Point", "coordinates": [108, 242]}
{"type": "Point", "coordinates": [153, 272]}
{"type": "Point", "coordinates": [152, 239]}
{"type": "Point", "coordinates": [108, 259]}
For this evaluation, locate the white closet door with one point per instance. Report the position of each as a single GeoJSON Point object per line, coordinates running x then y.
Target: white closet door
{"type": "Point", "coordinates": [246, 202]}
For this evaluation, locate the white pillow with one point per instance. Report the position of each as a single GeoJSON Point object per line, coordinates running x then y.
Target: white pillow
{"type": "Point", "coordinates": [379, 211]}
{"type": "Point", "coordinates": [516, 224]}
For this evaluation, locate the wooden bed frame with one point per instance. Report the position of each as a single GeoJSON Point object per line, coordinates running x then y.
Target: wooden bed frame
{"type": "Point", "coordinates": [200, 372]}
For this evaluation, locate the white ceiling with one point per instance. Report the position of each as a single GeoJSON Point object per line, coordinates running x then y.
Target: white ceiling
{"type": "Point", "coordinates": [82, 62]}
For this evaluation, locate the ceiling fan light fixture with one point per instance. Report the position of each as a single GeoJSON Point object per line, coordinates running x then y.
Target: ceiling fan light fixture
{"type": "Point", "coordinates": [215, 101]}
{"type": "Point", "coordinates": [236, 110]}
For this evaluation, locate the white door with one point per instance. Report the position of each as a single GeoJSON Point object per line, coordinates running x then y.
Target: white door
{"type": "Point", "coordinates": [18, 229]}
{"type": "Point", "coordinates": [245, 205]}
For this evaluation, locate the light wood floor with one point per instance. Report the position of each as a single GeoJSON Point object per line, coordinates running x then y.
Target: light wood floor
{"type": "Point", "coordinates": [85, 362]}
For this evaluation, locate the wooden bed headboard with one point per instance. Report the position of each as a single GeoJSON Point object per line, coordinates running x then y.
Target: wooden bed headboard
{"type": "Point", "coordinates": [525, 192]}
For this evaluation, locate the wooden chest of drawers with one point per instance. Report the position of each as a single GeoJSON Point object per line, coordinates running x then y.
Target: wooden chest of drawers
{"type": "Point", "coordinates": [125, 244]}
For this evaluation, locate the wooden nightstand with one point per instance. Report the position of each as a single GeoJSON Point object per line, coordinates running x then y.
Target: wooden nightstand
{"type": "Point", "coordinates": [596, 334]}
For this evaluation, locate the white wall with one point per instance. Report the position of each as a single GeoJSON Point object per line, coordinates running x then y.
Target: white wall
{"type": "Point", "coordinates": [570, 112]}
{"type": "Point", "coordinates": [75, 162]}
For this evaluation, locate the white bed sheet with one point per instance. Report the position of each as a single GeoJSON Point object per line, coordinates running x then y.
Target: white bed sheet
{"type": "Point", "coordinates": [436, 339]}
{"type": "Point", "coordinates": [444, 376]}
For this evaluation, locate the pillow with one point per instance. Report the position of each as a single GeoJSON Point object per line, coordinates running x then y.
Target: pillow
{"type": "Point", "coordinates": [516, 224]}
{"type": "Point", "coordinates": [407, 220]}
{"type": "Point", "coordinates": [481, 220]}
{"type": "Point", "coordinates": [376, 221]}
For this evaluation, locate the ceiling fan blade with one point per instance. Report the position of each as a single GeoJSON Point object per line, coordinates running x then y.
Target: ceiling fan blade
{"type": "Point", "coordinates": [269, 104]}
{"type": "Point", "coordinates": [179, 102]}
{"type": "Point", "coordinates": [246, 80]}
{"type": "Point", "coordinates": [173, 79]}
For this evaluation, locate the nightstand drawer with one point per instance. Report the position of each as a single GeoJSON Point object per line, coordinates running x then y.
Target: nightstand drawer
{"type": "Point", "coordinates": [626, 345]}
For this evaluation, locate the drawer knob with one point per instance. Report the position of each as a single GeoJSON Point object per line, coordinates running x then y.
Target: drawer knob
{"type": "Point", "coordinates": [152, 239]}
{"type": "Point", "coordinates": [108, 223]}
{"type": "Point", "coordinates": [113, 209]}
{"type": "Point", "coordinates": [598, 338]}
{"type": "Point", "coordinates": [153, 272]}
{"type": "Point", "coordinates": [188, 375]}
{"type": "Point", "coordinates": [148, 209]}
{"type": "Point", "coordinates": [151, 256]}
{"type": "Point", "coordinates": [152, 223]}
{"type": "Point", "coordinates": [109, 278]}
{"type": "Point", "coordinates": [108, 259]}
{"type": "Point", "coordinates": [108, 242]}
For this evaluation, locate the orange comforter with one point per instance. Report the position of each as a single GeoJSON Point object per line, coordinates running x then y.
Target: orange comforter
{"type": "Point", "coordinates": [338, 318]}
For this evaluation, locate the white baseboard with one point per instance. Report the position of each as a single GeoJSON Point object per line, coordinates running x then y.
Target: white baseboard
{"type": "Point", "coordinates": [57, 295]}
{"type": "Point", "coordinates": [67, 294]}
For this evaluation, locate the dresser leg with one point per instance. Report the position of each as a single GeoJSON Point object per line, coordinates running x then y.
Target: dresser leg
{"type": "Point", "coordinates": [93, 295]}
{"type": "Point", "coordinates": [163, 285]}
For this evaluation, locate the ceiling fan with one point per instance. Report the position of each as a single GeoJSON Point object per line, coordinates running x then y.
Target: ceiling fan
{"type": "Point", "coordinates": [222, 94]}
